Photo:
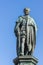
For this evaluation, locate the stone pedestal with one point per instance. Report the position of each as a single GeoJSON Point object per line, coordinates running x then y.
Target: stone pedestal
{"type": "Point", "coordinates": [25, 60]}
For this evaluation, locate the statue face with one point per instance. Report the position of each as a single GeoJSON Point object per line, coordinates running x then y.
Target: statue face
{"type": "Point", "coordinates": [26, 12]}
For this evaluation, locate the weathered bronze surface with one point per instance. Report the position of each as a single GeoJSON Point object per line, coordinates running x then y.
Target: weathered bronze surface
{"type": "Point", "coordinates": [25, 31]}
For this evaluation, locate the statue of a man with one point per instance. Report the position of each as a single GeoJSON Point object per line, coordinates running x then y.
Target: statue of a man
{"type": "Point", "coordinates": [25, 31]}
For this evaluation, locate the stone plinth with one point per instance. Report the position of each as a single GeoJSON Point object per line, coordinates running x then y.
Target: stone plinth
{"type": "Point", "coordinates": [25, 60]}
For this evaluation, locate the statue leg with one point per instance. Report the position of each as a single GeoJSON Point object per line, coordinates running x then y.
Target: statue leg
{"type": "Point", "coordinates": [22, 45]}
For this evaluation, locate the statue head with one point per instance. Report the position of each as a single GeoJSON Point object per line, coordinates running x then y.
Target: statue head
{"type": "Point", "coordinates": [26, 11]}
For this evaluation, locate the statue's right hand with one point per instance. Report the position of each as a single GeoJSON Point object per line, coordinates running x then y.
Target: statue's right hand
{"type": "Point", "coordinates": [18, 31]}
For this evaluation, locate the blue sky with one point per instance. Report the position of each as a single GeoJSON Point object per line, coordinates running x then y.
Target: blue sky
{"type": "Point", "coordinates": [9, 12]}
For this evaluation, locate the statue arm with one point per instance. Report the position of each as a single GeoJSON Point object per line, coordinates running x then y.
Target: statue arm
{"type": "Point", "coordinates": [17, 28]}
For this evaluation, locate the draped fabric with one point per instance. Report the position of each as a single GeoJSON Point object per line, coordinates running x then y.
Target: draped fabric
{"type": "Point", "coordinates": [25, 25]}
{"type": "Point", "coordinates": [31, 38]}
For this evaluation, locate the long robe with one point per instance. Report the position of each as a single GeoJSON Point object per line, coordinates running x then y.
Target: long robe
{"type": "Point", "coordinates": [31, 30]}
{"type": "Point", "coordinates": [31, 34]}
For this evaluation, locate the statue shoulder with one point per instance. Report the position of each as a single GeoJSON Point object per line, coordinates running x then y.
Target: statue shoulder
{"type": "Point", "coordinates": [31, 18]}
{"type": "Point", "coordinates": [19, 19]}
{"type": "Point", "coordinates": [33, 21]}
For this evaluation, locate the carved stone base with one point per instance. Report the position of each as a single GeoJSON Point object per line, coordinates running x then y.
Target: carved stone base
{"type": "Point", "coordinates": [25, 60]}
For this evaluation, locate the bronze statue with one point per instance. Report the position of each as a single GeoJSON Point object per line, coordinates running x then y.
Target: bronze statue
{"type": "Point", "coordinates": [25, 31]}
